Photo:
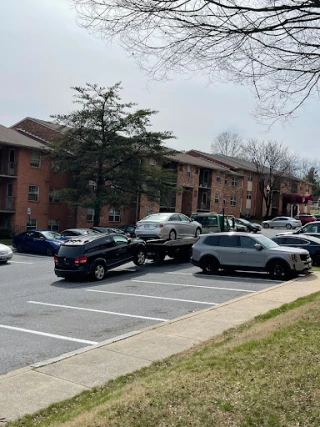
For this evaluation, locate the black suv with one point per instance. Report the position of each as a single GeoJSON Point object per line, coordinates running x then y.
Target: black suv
{"type": "Point", "coordinates": [94, 254]}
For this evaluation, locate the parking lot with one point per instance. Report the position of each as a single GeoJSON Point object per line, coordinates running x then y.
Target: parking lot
{"type": "Point", "coordinates": [44, 317]}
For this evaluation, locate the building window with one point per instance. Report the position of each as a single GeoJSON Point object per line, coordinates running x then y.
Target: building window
{"type": "Point", "coordinates": [218, 178]}
{"type": "Point", "coordinates": [189, 171]}
{"type": "Point", "coordinates": [32, 224]}
{"type": "Point", "coordinates": [225, 181]}
{"type": "Point", "coordinates": [114, 215]}
{"type": "Point", "coordinates": [204, 198]}
{"type": "Point", "coordinates": [152, 161]}
{"type": "Point", "coordinates": [216, 198]}
{"type": "Point", "coordinates": [53, 197]}
{"type": "Point", "coordinates": [307, 188]}
{"type": "Point", "coordinates": [233, 200]}
{"type": "Point", "coordinates": [250, 177]}
{"type": "Point", "coordinates": [90, 214]}
{"type": "Point", "coordinates": [249, 195]}
{"type": "Point", "coordinates": [35, 158]}
{"type": "Point", "coordinates": [248, 213]}
{"type": "Point", "coordinates": [224, 202]}
{"type": "Point", "coordinates": [234, 181]}
{"type": "Point", "coordinates": [33, 195]}
{"type": "Point", "coordinates": [53, 224]}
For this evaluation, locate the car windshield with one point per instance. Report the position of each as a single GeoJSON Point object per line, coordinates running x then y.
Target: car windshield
{"type": "Point", "coordinates": [156, 217]}
{"type": "Point", "coordinates": [244, 221]}
{"type": "Point", "coordinates": [266, 242]}
{"type": "Point", "coordinates": [51, 235]}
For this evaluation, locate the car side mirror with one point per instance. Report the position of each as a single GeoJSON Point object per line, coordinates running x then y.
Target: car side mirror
{"type": "Point", "coordinates": [258, 246]}
{"type": "Point", "coordinates": [129, 240]}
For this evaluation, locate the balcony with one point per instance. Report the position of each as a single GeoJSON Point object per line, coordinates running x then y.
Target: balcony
{"type": "Point", "coordinates": [7, 204]}
{"type": "Point", "coordinates": [8, 169]}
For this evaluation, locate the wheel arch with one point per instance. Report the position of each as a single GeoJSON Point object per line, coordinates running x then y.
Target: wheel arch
{"type": "Point", "coordinates": [277, 259]}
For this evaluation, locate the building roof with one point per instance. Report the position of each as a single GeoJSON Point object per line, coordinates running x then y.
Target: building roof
{"type": "Point", "coordinates": [12, 137]}
{"type": "Point", "coordinates": [201, 162]}
{"type": "Point", "coordinates": [51, 125]}
{"type": "Point", "coordinates": [232, 162]}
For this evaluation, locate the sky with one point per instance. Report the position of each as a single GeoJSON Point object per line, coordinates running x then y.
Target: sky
{"type": "Point", "coordinates": [44, 52]}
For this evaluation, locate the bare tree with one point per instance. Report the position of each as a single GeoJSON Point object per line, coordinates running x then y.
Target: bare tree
{"type": "Point", "coordinates": [228, 144]}
{"type": "Point", "coordinates": [274, 165]}
{"type": "Point", "coordinates": [273, 44]}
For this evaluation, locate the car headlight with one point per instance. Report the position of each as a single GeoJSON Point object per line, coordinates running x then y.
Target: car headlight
{"type": "Point", "coordinates": [293, 257]}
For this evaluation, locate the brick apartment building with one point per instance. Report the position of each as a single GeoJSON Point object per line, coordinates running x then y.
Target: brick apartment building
{"type": "Point", "coordinates": [291, 198]}
{"type": "Point", "coordinates": [205, 182]}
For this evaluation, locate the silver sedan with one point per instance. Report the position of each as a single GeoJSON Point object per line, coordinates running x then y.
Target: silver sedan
{"type": "Point", "coordinates": [5, 253]}
{"type": "Point", "coordinates": [282, 221]}
{"type": "Point", "coordinates": [168, 226]}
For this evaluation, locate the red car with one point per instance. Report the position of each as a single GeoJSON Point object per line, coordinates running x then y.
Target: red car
{"type": "Point", "coordinates": [305, 218]}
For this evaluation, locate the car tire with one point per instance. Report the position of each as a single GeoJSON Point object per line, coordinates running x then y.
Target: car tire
{"type": "Point", "coordinates": [99, 270]}
{"type": "Point", "coordinates": [278, 270]}
{"type": "Point", "coordinates": [265, 225]}
{"type": "Point", "coordinates": [140, 257]}
{"type": "Point", "coordinates": [198, 232]}
{"type": "Point", "coordinates": [50, 251]}
{"type": "Point", "coordinates": [19, 248]}
{"type": "Point", "coordinates": [172, 235]}
{"type": "Point", "coordinates": [209, 265]}
{"type": "Point", "coordinates": [289, 226]}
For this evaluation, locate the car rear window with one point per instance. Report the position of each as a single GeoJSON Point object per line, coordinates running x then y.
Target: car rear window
{"type": "Point", "coordinates": [71, 251]}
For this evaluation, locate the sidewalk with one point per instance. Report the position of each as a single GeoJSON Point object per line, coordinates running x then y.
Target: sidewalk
{"type": "Point", "coordinates": [29, 389]}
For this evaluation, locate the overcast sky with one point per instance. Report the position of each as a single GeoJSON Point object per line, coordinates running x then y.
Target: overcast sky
{"type": "Point", "coordinates": [44, 53]}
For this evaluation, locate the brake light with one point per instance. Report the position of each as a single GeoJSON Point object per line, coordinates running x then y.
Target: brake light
{"type": "Point", "coordinates": [81, 260]}
{"type": "Point", "coordinates": [160, 225]}
{"type": "Point", "coordinates": [56, 259]}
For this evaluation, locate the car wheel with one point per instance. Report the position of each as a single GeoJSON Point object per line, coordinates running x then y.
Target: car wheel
{"type": "Point", "coordinates": [140, 257]}
{"type": "Point", "coordinates": [289, 226]}
{"type": "Point", "coordinates": [19, 248]}
{"type": "Point", "coordinates": [172, 235]}
{"type": "Point", "coordinates": [99, 270]}
{"type": "Point", "coordinates": [278, 270]}
{"type": "Point", "coordinates": [209, 265]}
{"type": "Point", "coordinates": [265, 225]}
{"type": "Point", "coordinates": [49, 251]}
{"type": "Point", "coordinates": [198, 232]}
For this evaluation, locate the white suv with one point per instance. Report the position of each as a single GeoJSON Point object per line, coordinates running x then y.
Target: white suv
{"type": "Point", "coordinates": [240, 251]}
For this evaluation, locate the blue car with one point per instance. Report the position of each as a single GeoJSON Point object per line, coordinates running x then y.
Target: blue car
{"type": "Point", "coordinates": [39, 241]}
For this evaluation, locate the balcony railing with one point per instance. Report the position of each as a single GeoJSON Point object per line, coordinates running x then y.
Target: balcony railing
{"type": "Point", "coordinates": [9, 169]}
{"type": "Point", "coordinates": [7, 204]}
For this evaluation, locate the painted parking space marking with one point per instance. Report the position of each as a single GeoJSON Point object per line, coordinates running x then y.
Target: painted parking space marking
{"type": "Point", "coordinates": [153, 297]}
{"type": "Point", "coordinates": [97, 311]}
{"type": "Point", "coordinates": [59, 337]}
{"type": "Point", "coordinates": [242, 279]}
{"type": "Point", "coordinates": [194, 286]}
{"type": "Point", "coordinates": [20, 262]}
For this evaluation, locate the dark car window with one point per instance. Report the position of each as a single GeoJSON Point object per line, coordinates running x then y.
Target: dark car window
{"type": "Point", "coordinates": [38, 236]}
{"type": "Point", "coordinates": [70, 251]}
{"type": "Point", "coordinates": [279, 240]}
{"type": "Point", "coordinates": [296, 241]}
{"type": "Point", "coordinates": [228, 241]}
{"type": "Point", "coordinates": [120, 240]}
{"type": "Point", "coordinates": [247, 242]}
{"type": "Point", "coordinates": [212, 241]}
{"type": "Point", "coordinates": [101, 247]}
{"type": "Point", "coordinates": [175, 217]}
{"type": "Point", "coordinates": [184, 217]}
{"type": "Point", "coordinates": [29, 234]}
{"type": "Point", "coordinates": [310, 228]}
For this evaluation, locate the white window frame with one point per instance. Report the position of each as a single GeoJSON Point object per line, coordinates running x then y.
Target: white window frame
{"type": "Point", "coordinates": [233, 201]}
{"type": "Point", "coordinates": [53, 224]}
{"type": "Point", "coordinates": [90, 214]}
{"type": "Point", "coordinates": [114, 215]}
{"type": "Point", "coordinates": [218, 178]}
{"type": "Point", "coordinates": [249, 195]}
{"type": "Point", "coordinates": [189, 171]}
{"type": "Point", "coordinates": [52, 198]}
{"type": "Point", "coordinates": [34, 193]}
{"type": "Point", "coordinates": [250, 178]}
{"type": "Point", "coordinates": [35, 158]}
{"type": "Point", "coordinates": [234, 181]}
{"type": "Point", "coordinates": [32, 224]}
{"type": "Point", "coordinates": [216, 198]}
{"type": "Point", "coordinates": [152, 161]}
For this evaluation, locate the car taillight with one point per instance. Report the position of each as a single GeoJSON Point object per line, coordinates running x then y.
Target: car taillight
{"type": "Point", "coordinates": [56, 259]}
{"type": "Point", "coordinates": [160, 225]}
{"type": "Point", "coordinates": [80, 260]}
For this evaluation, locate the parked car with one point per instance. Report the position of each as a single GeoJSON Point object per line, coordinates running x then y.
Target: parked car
{"type": "Point", "coordinates": [72, 232]}
{"type": "Point", "coordinates": [212, 222]}
{"type": "Point", "coordinates": [168, 226]}
{"type": "Point", "coordinates": [5, 253]}
{"type": "Point", "coordinates": [129, 230]}
{"type": "Point", "coordinates": [317, 216]}
{"type": "Point", "coordinates": [234, 226]}
{"type": "Point", "coordinates": [93, 255]}
{"type": "Point", "coordinates": [249, 252]}
{"type": "Point", "coordinates": [107, 230]}
{"type": "Point", "coordinates": [310, 243]}
{"type": "Point", "coordinates": [254, 228]}
{"type": "Point", "coordinates": [311, 229]}
{"type": "Point", "coordinates": [305, 218]}
{"type": "Point", "coordinates": [282, 221]}
{"type": "Point", "coordinates": [38, 241]}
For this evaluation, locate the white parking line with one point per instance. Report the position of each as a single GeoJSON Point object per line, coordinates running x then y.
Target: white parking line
{"type": "Point", "coordinates": [20, 262]}
{"type": "Point", "coordinates": [96, 311]}
{"type": "Point", "coordinates": [194, 286]}
{"type": "Point", "coordinates": [153, 297]}
{"type": "Point", "coordinates": [248, 279]}
{"type": "Point", "coordinates": [59, 337]}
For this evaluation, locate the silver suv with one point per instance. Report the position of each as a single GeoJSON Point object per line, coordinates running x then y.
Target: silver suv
{"type": "Point", "coordinates": [240, 251]}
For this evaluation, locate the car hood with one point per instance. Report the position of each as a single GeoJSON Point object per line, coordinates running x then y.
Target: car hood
{"type": "Point", "coordinates": [291, 250]}
{"type": "Point", "coordinates": [5, 248]}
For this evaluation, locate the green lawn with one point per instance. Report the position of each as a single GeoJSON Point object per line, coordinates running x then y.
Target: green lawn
{"type": "Point", "coordinates": [264, 373]}
{"type": "Point", "coordinates": [6, 241]}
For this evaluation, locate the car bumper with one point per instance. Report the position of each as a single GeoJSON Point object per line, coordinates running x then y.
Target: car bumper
{"type": "Point", "coordinates": [149, 234]}
{"type": "Point", "coordinates": [6, 257]}
{"type": "Point", "coordinates": [71, 273]}
{"type": "Point", "coordinates": [195, 262]}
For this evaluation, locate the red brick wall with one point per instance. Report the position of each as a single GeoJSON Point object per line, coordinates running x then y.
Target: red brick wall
{"type": "Point", "coordinates": [225, 191]}
{"type": "Point", "coordinates": [36, 129]}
